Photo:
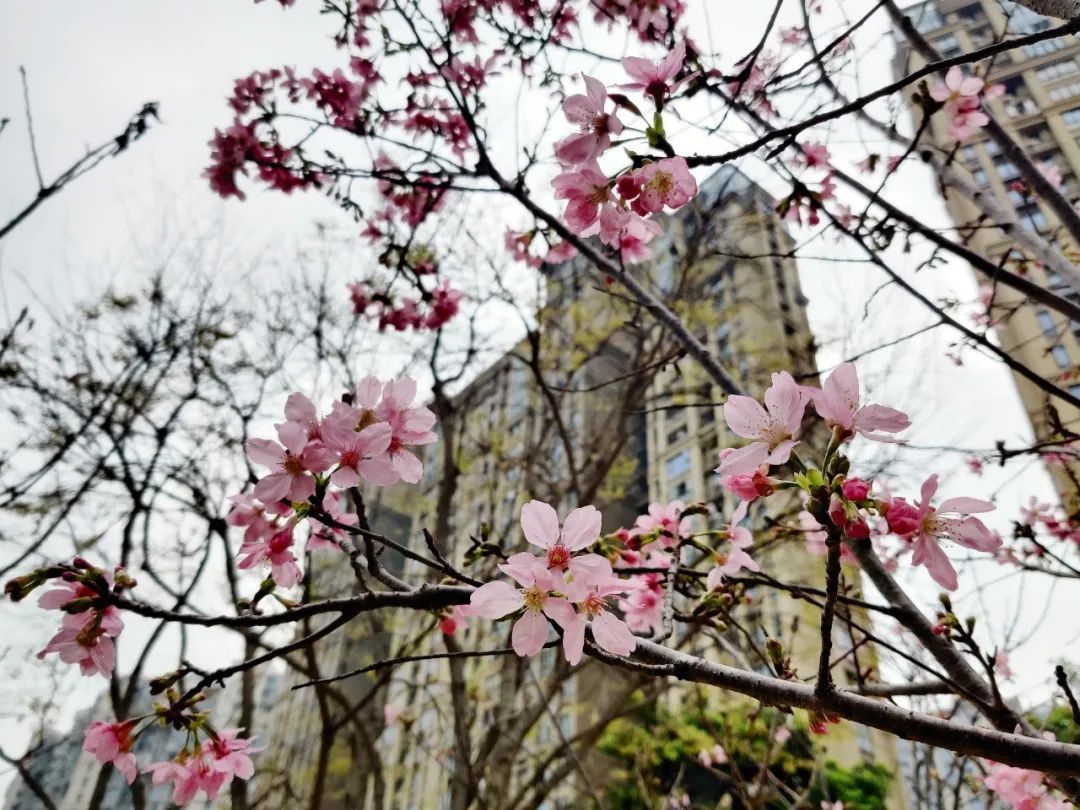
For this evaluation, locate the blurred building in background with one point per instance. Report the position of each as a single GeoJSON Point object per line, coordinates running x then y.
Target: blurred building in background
{"type": "Point", "coordinates": [1040, 109]}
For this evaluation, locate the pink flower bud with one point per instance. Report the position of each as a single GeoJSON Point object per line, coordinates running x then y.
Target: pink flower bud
{"type": "Point", "coordinates": [856, 489]}
{"type": "Point", "coordinates": [902, 517]}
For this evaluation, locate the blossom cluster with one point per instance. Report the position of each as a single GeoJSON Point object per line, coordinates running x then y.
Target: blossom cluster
{"type": "Point", "coordinates": [90, 624]}
{"type": "Point", "coordinates": [845, 504]}
{"type": "Point", "coordinates": [433, 310]}
{"type": "Point", "coordinates": [1022, 789]}
{"type": "Point", "coordinates": [564, 583]}
{"type": "Point", "coordinates": [617, 208]}
{"type": "Point", "coordinates": [962, 101]}
{"type": "Point", "coordinates": [368, 437]}
{"type": "Point", "coordinates": [207, 765]}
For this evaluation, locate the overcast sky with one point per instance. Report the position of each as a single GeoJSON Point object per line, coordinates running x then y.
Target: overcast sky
{"type": "Point", "coordinates": [91, 65]}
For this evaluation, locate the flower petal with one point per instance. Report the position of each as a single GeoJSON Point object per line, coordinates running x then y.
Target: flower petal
{"type": "Point", "coordinates": [540, 523]}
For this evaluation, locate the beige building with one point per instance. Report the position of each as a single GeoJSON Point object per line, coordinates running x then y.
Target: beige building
{"type": "Point", "coordinates": [620, 421]}
{"type": "Point", "coordinates": [1041, 111]}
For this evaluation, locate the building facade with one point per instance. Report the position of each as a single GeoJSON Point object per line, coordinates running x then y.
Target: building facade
{"type": "Point", "coordinates": [1040, 109]}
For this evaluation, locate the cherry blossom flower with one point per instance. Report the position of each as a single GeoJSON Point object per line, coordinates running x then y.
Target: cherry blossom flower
{"type": "Point", "coordinates": [560, 252]}
{"type": "Point", "coordinates": [456, 620]}
{"type": "Point", "coordinates": [275, 551]}
{"type": "Point", "coordinates": [595, 123]}
{"type": "Point", "coordinates": [1021, 789]}
{"type": "Point", "coordinates": [493, 600]}
{"type": "Point", "coordinates": [643, 606]}
{"type": "Point", "coordinates": [813, 155]}
{"type": "Point", "coordinates": [257, 519]}
{"type": "Point", "coordinates": [230, 754]}
{"type": "Point", "coordinates": [293, 460]}
{"type": "Point", "coordinates": [92, 650]}
{"type": "Point", "coordinates": [838, 404]}
{"type": "Point", "coordinates": [586, 189]}
{"type": "Point", "coordinates": [360, 454]}
{"type": "Point", "coordinates": [540, 524]}
{"type": "Point", "coordinates": [85, 636]}
{"type": "Point", "coordinates": [665, 182]}
{"type": "Point", "coordinates": [411, 426]}
{"type": "Point", "coordinates": [654, 79]}
{"type": "Point", "coordinates": [772, 428]}
{"type": "Point", "coordinates": [651, 20]}
{"type": "Point", "coordinates": [111, 742]}
{"type": "Point", "coordinates": [665, 520]}
{"type": "Point", "coordinates": [736, 558]}
{"type": "Point", "coordinates": [957, 89]}
{"type": "Point", "coordinates": [951, 520]}
{"type": "Point", "coordinates": [610, 632]}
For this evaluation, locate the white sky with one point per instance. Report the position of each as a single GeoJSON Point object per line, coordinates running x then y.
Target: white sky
{"type": "Point", "coordinates": [91, 65]}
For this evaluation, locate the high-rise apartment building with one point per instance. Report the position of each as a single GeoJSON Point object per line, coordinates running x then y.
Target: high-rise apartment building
{"type": "Point", "coordinates": [595, 405]}
{"type": "Point", "coordinates": [1040, 109]}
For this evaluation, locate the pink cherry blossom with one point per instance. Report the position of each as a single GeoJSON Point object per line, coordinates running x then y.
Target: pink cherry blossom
{"type": "Point", "coordinates": [293, 461]}
{"type": "Point", "coordinates": [457, 619]}
{"type": "Point", "coordinates": [772, 428]}
{"type": "Point", "coordinates": [665, 182]}
{"type": "Point", "coordinates": [838, 404]}
{"type": "Point", "coordinates": [654, 79]}
{"type": "Point", "coordinates": [951, 520]}
{"type": "Point", "coordinates": [957, 89]}
{"type": "Point", "coordinates": [111, 742]}
{"type": "Point", "coordinates": [1021, 789]}
{"type": "Point", "coordinates": [230, 754]}
{"type": "Point", "coordinates": [610, 632]}
{"type": "Point", "coordinates": [92, 650]}
{"type": "Point", "coordinates": [257, 518]}
{"type": "Point", "coordinates": [540, 524]}
{"type": "Point", "coordinates": [736, 558]}
{"type": "Point", "coordinates": [275, 551]}
{"type": "Point", "coordinates": [665, 520]}
{"type": "Point", "coordinates": [361, 454]}
{"type": "Point", "coordinates": [643, 606]}
{"type": "Point", "coordinates": [585, 189]}
{"type": "Point", "coordinates": [595, 123]}
{"type": "Point", "coordinates": [493, 600]}
{"type": "Point", "coordinates": [813, 155]}
{"type": "Point", "coordinates": [410, 425]}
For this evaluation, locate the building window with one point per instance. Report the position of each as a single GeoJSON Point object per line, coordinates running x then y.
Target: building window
{"type": "Point", "coordinates": [1046, 322]}
{"type": "Point", "coordinates": [1005, 169]}
{"type": "Point", "coordinates": [677, 435]}
{"type": "Point", "coordinates": [1058, 70]}
{"type": "Point", "coordinates": [948, 46]}
{"type": "Point", "coordinates": [1061, 357]}
{"type": "Point", "coordinates": [981, 178]}
{"type": "Point", "coordinates": [1074, 390]}
{"type": "Point", "coordinates": [1069, 90]}
{"type": "Point", "coordinates": [970, 153]}
{"type": "Point", "coordinates": [1071, 117]}
{"type": "Point", "coordinates": [680, 491]}
{"type": "Point", "coordinates": [1043, 48]}
{"type": "Point", "coordinates": [678, 464]}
